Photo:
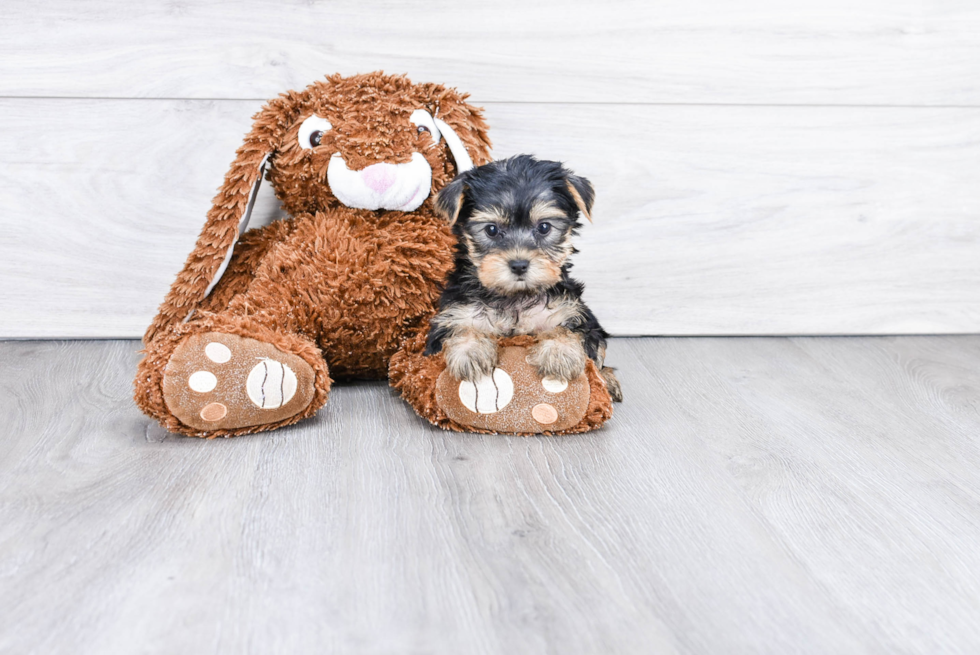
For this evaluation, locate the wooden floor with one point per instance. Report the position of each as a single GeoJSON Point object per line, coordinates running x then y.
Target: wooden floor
{"type": "Point", "coordinates": [764, 495]}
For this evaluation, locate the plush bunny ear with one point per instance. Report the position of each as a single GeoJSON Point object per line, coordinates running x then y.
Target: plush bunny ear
{"type": "Point", "coordinates": [462, 157]}
{"type": "Point", "coordinates": [242, 226]}
{"type": "Point", "coordinates": [464, 129]}
{"type": "Point", "coordinates": [226, 220]}
{"type": "Point", "coordinates": [582, 194]}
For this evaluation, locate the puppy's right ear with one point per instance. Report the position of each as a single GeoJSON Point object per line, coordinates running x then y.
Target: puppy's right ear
{"type": "Point", "coordinates": [449, 202]}
{"type": "Point", "coordinates": [227, 217]}
{"type": "Point", "coordinates": [582, 193]}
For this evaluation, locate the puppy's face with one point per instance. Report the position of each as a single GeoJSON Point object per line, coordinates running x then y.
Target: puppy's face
{"type": "Point", "coordinates": [518, 246]}
{"type": "Point", "coordinates": [515, 218]}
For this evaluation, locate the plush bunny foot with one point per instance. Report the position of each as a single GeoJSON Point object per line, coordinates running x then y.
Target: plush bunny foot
{"type": "Point", "coordinates": [515, 398]}
{"type": "Point", "coordinates": [217, 381]}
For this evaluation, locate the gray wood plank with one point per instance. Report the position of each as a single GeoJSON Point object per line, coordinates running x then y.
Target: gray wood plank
{"type": "Point", "coordinates": [752, 495]}
{"type": "Point", "coordinates": [678, 51]}
{"type": "Point", "coordinates": [709, 220]}
{"type": "Point", "coordinates": [861, 455]}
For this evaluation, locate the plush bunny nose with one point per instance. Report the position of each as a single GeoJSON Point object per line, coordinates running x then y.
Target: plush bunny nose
{"type": "Point", "coordinates": [379, 177]}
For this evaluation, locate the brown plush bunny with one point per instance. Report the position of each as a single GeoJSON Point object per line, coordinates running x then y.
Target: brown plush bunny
{"type": "Point", "coordinates": [258, 322]}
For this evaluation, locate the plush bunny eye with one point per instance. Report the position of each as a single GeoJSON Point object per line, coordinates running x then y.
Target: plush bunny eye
{"type": "Point", "coordinates": [311, 131]}
{"type": "Point", "coordinates": [424, 122]}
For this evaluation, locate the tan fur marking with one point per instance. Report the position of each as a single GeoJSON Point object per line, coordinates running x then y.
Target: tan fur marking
{"type": "Point", "coordinates": [470, 355]}
{"type": "Point", "coordinates": [542, 273]}
{"type": "Point", "coordinates": [578, 201]}
{"type": "Point", "coordinates": [533, 318]}
{"type": "Point", "coordinates": [494, 271]}
{"type": "Point", "coordinates": [565, 311]}
{"type": "Point", "coordinates": [490, 215]}
{"type": "Point", "coordinates": [559, 353]}
{"type": "Point", "coordinates": [471, 248]}
{"type": "Point", "coordinates": [544, 210]}
{"type": "Point", "coordinates": [463, 317]}
{"type": "Point", "coordinates": [452, 218]}
{"type": "Point", "coordinates": [566, 251]}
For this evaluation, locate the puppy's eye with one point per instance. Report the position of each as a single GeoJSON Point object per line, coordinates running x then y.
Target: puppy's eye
{"type": "Point", "coordinates": [544, 228]}
{"type": "Point", "coordinates": [491, 230]}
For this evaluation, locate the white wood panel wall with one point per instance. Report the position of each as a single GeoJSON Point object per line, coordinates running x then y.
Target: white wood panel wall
{"type": "Point", "coordinates": [761, 167]}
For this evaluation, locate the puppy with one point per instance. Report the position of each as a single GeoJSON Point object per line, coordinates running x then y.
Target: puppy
{"type": "Point", "coordinates": [515, 219]}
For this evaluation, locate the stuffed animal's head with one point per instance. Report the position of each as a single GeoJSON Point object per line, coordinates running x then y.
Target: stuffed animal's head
{"type": "Point", "coordinates": [373, 142]}
{"type": "Point", "coordinates": [369, 141]}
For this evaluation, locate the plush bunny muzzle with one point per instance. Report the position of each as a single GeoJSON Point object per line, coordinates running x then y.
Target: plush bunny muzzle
{"type": "Point", "coordinates": [402, 187]}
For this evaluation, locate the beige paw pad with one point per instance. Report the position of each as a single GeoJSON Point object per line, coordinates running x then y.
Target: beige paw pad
{"type": "Point", "coordinates": [270, 384]}
{"type": "Point", "coordinates": [544, 414]}
{"type": "Point", "coordinates": [554, 385]}
{"type": "Point", "coordinates": [217, 381]}
{"type": "Point", "coordinates": [214, 412]}
{"type": "Point", "coordinates": [218, 353]}
{"type": "Point", "coordinates": [490, 394]}
{"type": "Point", "coordinates": [202, 381]}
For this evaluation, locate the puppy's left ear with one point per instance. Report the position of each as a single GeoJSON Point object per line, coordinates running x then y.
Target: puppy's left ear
{"type": "Point", "coordinates": [450, 199]}
{"type": "Point", "coordinates": [582, 194]}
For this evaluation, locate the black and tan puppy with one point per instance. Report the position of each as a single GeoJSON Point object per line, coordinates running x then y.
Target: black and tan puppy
{"type": "Point", "coordinates": [515, 219]}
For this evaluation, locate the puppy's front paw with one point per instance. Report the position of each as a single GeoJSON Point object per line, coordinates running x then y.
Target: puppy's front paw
{"type": "Point", "coordinates": [470, 355]}
{"type": "Point", "coordinates": [558, 354]}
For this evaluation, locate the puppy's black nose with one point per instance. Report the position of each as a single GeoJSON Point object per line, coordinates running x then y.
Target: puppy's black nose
{"type": "Point", "coordinates": [519, 266]}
